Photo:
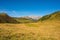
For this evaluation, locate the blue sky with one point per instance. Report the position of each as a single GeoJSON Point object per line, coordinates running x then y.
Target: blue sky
{"type": "Point", "coordinates": [19, 8]}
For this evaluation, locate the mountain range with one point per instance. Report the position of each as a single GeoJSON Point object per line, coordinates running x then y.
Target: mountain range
{"type": "Point", "coordinates": [4, 18]}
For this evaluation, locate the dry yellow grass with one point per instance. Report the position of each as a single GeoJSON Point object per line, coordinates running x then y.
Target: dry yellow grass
{"type": "Point", "coordinates": [32, 31]}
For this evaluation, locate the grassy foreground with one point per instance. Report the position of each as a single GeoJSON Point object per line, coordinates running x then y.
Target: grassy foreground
{"type": "Point", "coordinates": [30, 31]}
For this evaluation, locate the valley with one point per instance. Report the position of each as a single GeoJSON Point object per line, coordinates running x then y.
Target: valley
{"type": "Point", "coordinates": [46, 28]}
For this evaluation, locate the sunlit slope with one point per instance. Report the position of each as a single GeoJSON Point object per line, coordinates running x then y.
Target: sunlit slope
{"type": "Point", "coordinates": [24, 20]}
{"type": "Point", "coordinates": [51, 17]}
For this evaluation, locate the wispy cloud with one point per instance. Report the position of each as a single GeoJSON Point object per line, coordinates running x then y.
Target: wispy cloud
{"type": "Point", "coordinates": [17, 13]}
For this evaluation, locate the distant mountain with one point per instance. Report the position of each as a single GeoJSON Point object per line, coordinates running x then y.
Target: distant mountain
{"type": "Point", "coordinates": [27, 19]}
{"type": "Point", "coordinates": [35, 17]}
{"type": "Point", "coordinates": [24, 19]}
{"type": "Point", "coordinates": [54, 16]}
{"type": "Point", "coordinates": [4, 18]}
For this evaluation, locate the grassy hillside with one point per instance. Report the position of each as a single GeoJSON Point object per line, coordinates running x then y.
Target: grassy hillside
{"type": "Point", "coordinates": [4, 18]}
{"type": "Point", "coordinates": [25, 20]}
{"type": "Point", "coordinates": [50, 17]}
{"type": "Point", "coordinates": [47, 30]}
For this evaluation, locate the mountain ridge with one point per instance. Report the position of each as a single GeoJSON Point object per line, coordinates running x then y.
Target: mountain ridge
{"type": "Point", "coordinates": [52, 16]}
{"type": "Point", "coordinates": [4, 18]}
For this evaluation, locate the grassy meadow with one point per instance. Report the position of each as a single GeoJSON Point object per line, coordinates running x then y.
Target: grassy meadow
{"type": "Point", "coordinates": [30, 31]}
{"type": "Point", "coordinates": [46, 28]}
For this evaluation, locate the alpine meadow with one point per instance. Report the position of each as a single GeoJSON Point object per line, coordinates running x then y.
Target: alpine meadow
{"type": "Point", "coordinates": [29, 19]}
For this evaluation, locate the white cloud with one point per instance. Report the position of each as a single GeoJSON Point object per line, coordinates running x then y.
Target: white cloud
{"type": "Point", "coordinates": [16, 13]}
